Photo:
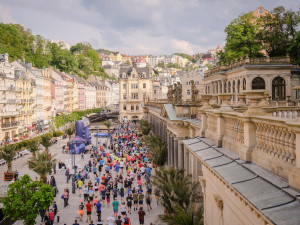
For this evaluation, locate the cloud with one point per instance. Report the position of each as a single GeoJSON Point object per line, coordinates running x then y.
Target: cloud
{"type": "Point", "coordinates": [133, 26]}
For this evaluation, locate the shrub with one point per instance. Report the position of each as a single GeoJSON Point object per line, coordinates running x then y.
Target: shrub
{"type": "Point", "coordinates": [57, 133]}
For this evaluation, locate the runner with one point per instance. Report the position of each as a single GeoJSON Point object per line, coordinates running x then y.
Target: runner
{"type": "Point", "coordinates": [142, 215]}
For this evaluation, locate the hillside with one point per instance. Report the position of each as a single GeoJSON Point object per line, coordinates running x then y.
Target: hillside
{"type": "Point", "coordinates": [20, 43]}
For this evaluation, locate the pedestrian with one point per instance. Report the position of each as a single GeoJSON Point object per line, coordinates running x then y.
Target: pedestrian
{"type": "Point", "coordinates": [79, 184]}
{"type": "Point", "coordinates": [129, 200]}
{"type": "Point", "coordinates": [81, 211]}
{"type": "Point", "coordinates": [98, 209]}
{"type": "Point", "coordinates": [119, 221]}
{"type": "Point", "coordinates": [75, 223]}
{"type": "Point", "coordinates": [126, 220]}
{"type": "Point", "coordinates": [111, 220]}
{"type": "Point", "coordinates": [51, 217]}
{"type": "Point", "coordinates": [65, 197]}
{"type": "Point", "coordinates": [115, 205]}
{"type": "Point", "coordinates": [67, 174]}
{"type": "Point", "coordinates": [142, 215]}
{"type": "Point", "coordinates": [141, 199]}
{"type": "Point", "coordinates": [88, 211]}
{"type": "Point", "coordinates": [148, 202]}
{"type": "Point", "coordinates": [123, 209]}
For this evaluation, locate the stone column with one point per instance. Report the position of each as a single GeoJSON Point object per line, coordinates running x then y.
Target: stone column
{"type": "Point", "coordinates": [186, 161]}
{"type": "Point", "coordinates": [169, 147]}
{"type": "Point", "coordinates": [180, 156]}
{"type": "Point", "coordinates": [172, 150]}
{"type": "Point", "coordinates": [175, 152]}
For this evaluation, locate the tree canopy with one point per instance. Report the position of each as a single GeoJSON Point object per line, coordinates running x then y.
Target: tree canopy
{"type": "Point", "coordinates": [24, 199]}
{"type": "Point", "coordinates": [274, 34]}
{"type": "Point", "coordinates": [20, 43]}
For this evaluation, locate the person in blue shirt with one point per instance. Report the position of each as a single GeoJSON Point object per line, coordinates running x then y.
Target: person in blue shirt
{"type": "Point", "coordinates": [115, 192]}
{"type": "Point", "coordinates": [98, 209]}
{"type": "Point", "coordinates": [145, 159]}
{"type": "Point", "coordinates": [129, 190]}
{"type": "Point", "coordinates": [122, 193]}
{"type": "Point", "coordinates": [94, 170]}
{"type": "Point", "coordinates": [148, 170]}
{"type": "Point", "coordinates": [117, 168]}
{"type": "Point", "coordinates": [103, 192]}
{"type": "Point", "coordinates": [107, 168]}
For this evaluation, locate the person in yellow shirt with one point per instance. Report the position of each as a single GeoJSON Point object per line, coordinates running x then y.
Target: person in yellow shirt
{"type": "Point", "coordinates": [80, 183]}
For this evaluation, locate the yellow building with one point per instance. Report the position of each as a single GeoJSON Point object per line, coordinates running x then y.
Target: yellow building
{"type": "Point", "coordinates": [116, 56]}
{"type": "Point", "coordinates": [135, 86]}
{"type": "Point", "coordinates": [47, 104]}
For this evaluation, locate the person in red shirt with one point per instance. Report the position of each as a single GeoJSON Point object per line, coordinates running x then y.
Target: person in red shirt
{"type": "Point", "coordinates": [88, 211]}
{"type": "Point", "coordinates": [126, 220]}
{"type": "Point", "coordinates": [140, 165]}
{"type": "Point", "coordinates": [103, 178]}
{"type": "Point", "coordinates": [51, 216]}
{"type": "Point", "coordinates": [142, 215]}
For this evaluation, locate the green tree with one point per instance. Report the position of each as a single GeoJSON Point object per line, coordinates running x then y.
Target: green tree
{"type": "Point", "coordinates": [157, 149]}
{"type": "Point", "coordinates": [42, 164]}
{"type": "Point", "coordinates": [46, 141]}
{"type": "Point", "coordinates": [172, 65]}
{"type": "Point", "coordinates": [175, 188]}
{"type": "Point", "coordinates": [108, 124]}
{"type": "Point", "coordinates": [70, 131]}
{"type": "Point", "coordinates": [145, 126]}
{"type": "Point", "coordinates": [33, 146]}
{"type": "Point", "coordinates": [161, 64]}
{"type": "Point", "coordinates": [241, 39]}
{"type": "Point", "coordinates": [8, 153]}
{"type": "Point", "coordinates": [294, 49]}
{"type": "Point", "coordinates": [24, 199]}
{"type": "Point", "coordinates": [183, 216]}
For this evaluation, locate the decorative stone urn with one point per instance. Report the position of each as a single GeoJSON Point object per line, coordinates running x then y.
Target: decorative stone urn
{"type": "Point", "coordinates": [205, 99]}
{"type": "Point", "coordinates": [265, 100]}
{"type": "Point", "coordinates": [241, 100]}
{"type": "Point", "coordinates": [253, 98]}
{"type": "Point", "coordinates": [225, 98]}
{"type": "Point", "coordinates": [213, 101]}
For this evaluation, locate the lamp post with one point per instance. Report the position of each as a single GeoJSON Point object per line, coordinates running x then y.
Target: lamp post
{"type": "Point", "coordinates": [74, 171]}
{"type": "Point", "coordinates": [97, 144]}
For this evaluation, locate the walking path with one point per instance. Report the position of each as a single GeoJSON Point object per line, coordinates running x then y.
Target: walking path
{"type": "Point", "coordinates": [70, 213]}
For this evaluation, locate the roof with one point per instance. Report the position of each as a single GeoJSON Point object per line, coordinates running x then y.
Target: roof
{"type": "Point", "coordinates": [140, 70]}
{"type": "Point", "coordinates": [207, 56]}
{"type": "Point", "coordinates": [270, 194]}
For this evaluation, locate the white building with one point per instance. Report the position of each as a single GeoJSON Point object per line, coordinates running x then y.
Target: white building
{"type": "Point", "coordinates": [90, 95]}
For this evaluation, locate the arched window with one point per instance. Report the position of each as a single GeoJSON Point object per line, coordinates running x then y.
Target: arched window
{"type": "Point", "coordinates": [244, 84]}
{"type": "Point", "coordinates": [220, 84]}
{"type": "Point", "coordinates": [217, 88]}
{"type": "Point", "coordinates": [278, 88]}
{"type": "Point", "coordinates": [238, 86]}
{"type": "Point", "coordinates": [229, 87]}
{"type": "Point", "coordinates": [225, 87]}
{"type": "Point", "coordinates": [258, 83]}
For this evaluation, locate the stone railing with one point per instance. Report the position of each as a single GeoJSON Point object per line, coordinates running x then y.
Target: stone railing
{"type": "Point", "coordinates": [276, 140]}
{"type": "Point", "coordinates": [285, 112]}
{"type": "Point", "coordinates": [247, 60]}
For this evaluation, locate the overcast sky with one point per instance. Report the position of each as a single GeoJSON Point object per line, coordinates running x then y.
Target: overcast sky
{"type": "Point", "coordinates": [134, 26]}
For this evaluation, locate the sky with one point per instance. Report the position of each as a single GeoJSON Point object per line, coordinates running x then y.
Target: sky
{"type": "Point", "coordinates": [134, 27]}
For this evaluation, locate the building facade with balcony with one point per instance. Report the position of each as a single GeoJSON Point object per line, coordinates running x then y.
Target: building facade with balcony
{"type": "Point", "coordinates": [135, 86]}
{"type": "Point", "coordinates": [8, 100]}
{"type": "Point", "coordinates": [90, 96]}
{"type": "Point", "coordinates": [81, 92]}
{"type": "Point", "coordinates": [59, 94]}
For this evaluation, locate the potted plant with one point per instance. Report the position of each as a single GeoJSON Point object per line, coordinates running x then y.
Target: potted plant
{"type": "Point", "coordinates": [6, 140]}
{"type": "Point", "coordinates": [15, 138]}
{"type": "Point", "coordinates": [8, 153]}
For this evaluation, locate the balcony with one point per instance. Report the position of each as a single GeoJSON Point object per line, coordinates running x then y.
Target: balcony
{"type": "Point", "coordinates": [9, 113]}
{"type": "Point", "coordinates": [3, 88]}
{"type": "Point", "coordinates": [9, 125]}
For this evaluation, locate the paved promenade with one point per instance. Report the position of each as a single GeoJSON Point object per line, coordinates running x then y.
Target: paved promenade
{"type": "Point", "coordinates": [69, 214]}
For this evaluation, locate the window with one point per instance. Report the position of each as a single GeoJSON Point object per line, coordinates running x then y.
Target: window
{"type": "Point", "coordinates": [124, 86]}
{"type": "Point", "coordinates": [278, 88]}
{"type": "Point", "coordinates": [124, 96]}
{"type": "Point", "coordinates": [134, 86]}
{"type": "Point", "coordinates": [258, 83]}
{"type": "Point", "coordinates": [144, 85]}
{"type": "Point", "coordinates": [154, 91]}
{"type": "Point", "coordinates": [188, 92]}
{"type": "Point", "coordinates": [132, 107]}
{"type": "Point", "coordinates": [124, 107]}
{"type": "Point", "coordinates": [137, 107]}
{"type": "Point", "coordinates": [196, 82]}
{"type": "Point", "coordinates": [244, 84]}
{"type": "Point", "coordinates": [134, 96]}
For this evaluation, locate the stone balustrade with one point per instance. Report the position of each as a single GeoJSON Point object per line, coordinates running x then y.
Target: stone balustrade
{"type": "Point", "coordinates": [286, 112]}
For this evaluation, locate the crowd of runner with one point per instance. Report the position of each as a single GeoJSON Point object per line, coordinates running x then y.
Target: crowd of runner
{"type": "Point", "coordinates": [117, 176]}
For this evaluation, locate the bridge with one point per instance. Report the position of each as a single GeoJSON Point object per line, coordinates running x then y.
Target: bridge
{"type": "Point", "coordinates": [100, 117]}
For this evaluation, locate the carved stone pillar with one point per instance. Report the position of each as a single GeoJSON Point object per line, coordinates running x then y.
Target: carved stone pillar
{"type": "Point", "coordinates": [180, 156]}
{"type": "Point", "coordinates": [225, 98]}
{"type": "Point", "coordinates": [169, 148]}
{"type": "Point", "coordinates": [205, 99]}
{"type": "Point", "coordinates": [175, 153]}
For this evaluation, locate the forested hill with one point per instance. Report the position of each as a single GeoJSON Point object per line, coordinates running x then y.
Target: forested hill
{"type": "Point", "coordinates": [20, 43]}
